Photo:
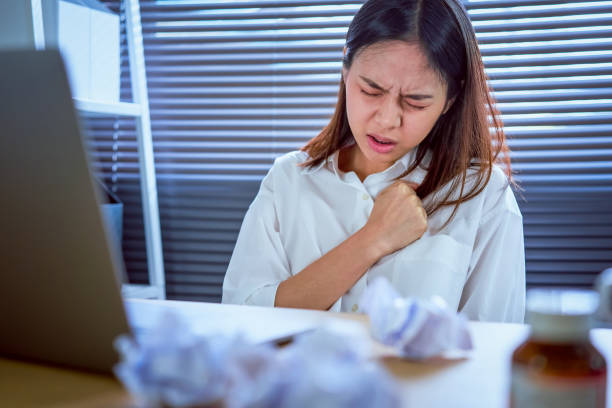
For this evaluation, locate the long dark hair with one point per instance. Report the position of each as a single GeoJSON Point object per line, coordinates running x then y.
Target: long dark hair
{"type": "Point", "coordinates": [469, 134]}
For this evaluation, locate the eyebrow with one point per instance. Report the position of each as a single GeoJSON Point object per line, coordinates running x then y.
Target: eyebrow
{"type": "Point", "coordinates": [374, 85]}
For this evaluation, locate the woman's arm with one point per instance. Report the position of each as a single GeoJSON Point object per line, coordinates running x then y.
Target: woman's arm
{"type": "Point", "coordinates": [397, 219]}
{"type": "Point", "coordinates": [319, 285]}
{"type": "Point", "coordinates": [495, 287]}
{"type": "Point", "coordinates": [259, 261]}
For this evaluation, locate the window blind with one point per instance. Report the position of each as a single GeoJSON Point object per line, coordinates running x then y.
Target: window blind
{"type": "Point", "coordinates": [234, 84]}
{"type": "Point", "coordinates": [550, 64]}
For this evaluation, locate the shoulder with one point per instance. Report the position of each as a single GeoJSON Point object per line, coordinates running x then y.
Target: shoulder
{"type": "Point", "coordinates": [498, 195]}
{"type": "Point", "coordinates": [498, 182]}
{"type": "Point", "coordinates": [286, 168]}
{"type": "Point", "coordinates": [290, 161]}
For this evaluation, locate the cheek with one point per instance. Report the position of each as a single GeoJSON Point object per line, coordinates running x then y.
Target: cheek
{"type": "Point", "coordinates": [359, 110]}
{"type": "Point", "coordinates": [418, 126]}
{"type": "Point", "coordinates": [355, 110]}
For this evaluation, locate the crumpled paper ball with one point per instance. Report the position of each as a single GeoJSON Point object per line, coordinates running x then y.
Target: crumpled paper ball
{"type": "Point", "coordinates": [416, 329]}
{"type": "Point", "coordinates": [327, 367]}
{"type": "Point", "coordinates": [172, 366]}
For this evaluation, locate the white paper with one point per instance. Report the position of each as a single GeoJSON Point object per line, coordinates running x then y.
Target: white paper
{"type": "Point", "coordinates": [105, 63]}
{"type": "Point", "coordinates": [74, 42]}
{"type": "Point", "coordinates": [327, 367]}
{"type": "Point", "coordinates": [416, 329]}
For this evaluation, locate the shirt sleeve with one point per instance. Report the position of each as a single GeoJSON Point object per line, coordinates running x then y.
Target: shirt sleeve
{"type": "Point", "coordinates": [495, 286]}
{"type": "Point", "coordinates": [259, 262]}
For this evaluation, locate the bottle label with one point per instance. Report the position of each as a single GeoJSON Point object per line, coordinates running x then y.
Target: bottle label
{"type": "Point", "coordinates": [537, 390]}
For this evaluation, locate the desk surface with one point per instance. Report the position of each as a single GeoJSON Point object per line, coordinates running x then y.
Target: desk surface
{"type": "Point", "coordinates": [480, 381]}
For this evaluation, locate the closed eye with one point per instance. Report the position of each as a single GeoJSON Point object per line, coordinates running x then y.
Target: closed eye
{"type": "Point", "coordinates": [369, 94]}
{"type": "Point", "coordinates": [409, 104]}
{"type": "Point", "coordinates": [417, 107]}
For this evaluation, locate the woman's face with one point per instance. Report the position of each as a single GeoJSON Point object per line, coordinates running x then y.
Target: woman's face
{"type": "Point", "coordinates": [393, 99]}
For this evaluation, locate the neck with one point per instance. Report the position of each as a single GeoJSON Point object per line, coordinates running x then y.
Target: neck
{"type": "Point", "coordinates": [351, 159]}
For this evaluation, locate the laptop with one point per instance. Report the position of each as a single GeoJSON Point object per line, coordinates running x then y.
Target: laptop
{"type": "Point", "coordinates": [60, 298]}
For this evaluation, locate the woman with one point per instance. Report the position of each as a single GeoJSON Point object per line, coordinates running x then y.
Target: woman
{"type": "Point", "coordinates": [401, 183]}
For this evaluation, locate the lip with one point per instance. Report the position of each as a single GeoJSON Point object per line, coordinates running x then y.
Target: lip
{"type": "Point", "coordinates": [382, 139]}
{"type": "Point", "coordinates": [379, 147]}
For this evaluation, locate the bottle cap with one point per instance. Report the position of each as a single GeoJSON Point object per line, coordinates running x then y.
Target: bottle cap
{"type": "Point", "coordinates": [560, 315]}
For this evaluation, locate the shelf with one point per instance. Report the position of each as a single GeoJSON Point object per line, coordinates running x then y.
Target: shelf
{"type": "Point", "coordinates": [141, 292]}
{"type": "Point", "coordinates": [94, 108]}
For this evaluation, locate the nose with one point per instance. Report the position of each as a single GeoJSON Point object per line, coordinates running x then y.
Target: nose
{"type": "Point", "coordinates": [389, 114]}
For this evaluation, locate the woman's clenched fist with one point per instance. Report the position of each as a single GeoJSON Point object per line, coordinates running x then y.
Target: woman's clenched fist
{"type": "Point", "coordinates": [397, 219]}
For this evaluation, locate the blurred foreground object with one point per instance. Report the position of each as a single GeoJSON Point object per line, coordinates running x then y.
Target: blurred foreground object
{"type": "Point", "coordinates": [603, 285]}
{"type": "Point", "coordinates": [558, 366]}
{"type": "Point", "coordinates": [416, 329]}
{"type": "Point", "coordinates": [328, 367]}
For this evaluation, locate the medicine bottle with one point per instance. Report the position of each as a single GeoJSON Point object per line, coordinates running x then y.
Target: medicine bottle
{"type": "Point", "coordinates": [558, 366]}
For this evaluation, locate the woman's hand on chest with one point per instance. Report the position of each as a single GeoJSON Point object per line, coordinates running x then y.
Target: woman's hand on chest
{"type": "Point", "coordinates": [397, 219]}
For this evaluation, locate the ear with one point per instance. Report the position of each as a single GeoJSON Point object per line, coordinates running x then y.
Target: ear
{"type": "Point", "coordinates": [344, 70]}
{"type": "Point", "coordinates": [451, 101]}
{"type": "Point", "coordinates": [448, 105]}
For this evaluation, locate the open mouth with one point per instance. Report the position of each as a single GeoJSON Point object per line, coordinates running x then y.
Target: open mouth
{"type": "Point", "coordinates": [380, 144]}
{"type": "Point", "coordinates": [377, 140]}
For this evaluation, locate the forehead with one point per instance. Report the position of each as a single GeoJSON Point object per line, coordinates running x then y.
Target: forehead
{"type": "Point", "coordinates": [397, 65]}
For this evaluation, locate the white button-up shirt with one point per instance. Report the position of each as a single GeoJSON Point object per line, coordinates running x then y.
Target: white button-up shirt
{"type": "Point", "coordinates": [476, 263]}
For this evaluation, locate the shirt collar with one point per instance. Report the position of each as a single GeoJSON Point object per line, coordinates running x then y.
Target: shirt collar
{"type": "Point", "coordinates": [330, 162]}
{"type": "Point", "coordinates": [396, 170]}
{"type": "Point", "coordinates": [311, 170]}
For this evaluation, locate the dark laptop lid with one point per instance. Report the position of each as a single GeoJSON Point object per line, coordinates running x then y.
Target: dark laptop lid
{"type": "Point", "coordinates": [59, 296]}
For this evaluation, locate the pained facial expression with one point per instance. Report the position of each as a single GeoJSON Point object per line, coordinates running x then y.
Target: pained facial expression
{"type": "Point", "coordinates": [393, 100]}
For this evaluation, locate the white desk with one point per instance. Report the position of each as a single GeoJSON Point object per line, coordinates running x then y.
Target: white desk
{"type": "Point", "coordinates": [481, 381]}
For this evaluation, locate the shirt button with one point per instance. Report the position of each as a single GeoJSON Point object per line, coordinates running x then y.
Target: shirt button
{"type": "Point", "coordinates": [365, 196]}
{"type": "Point", "coordinates": [355, 307]}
